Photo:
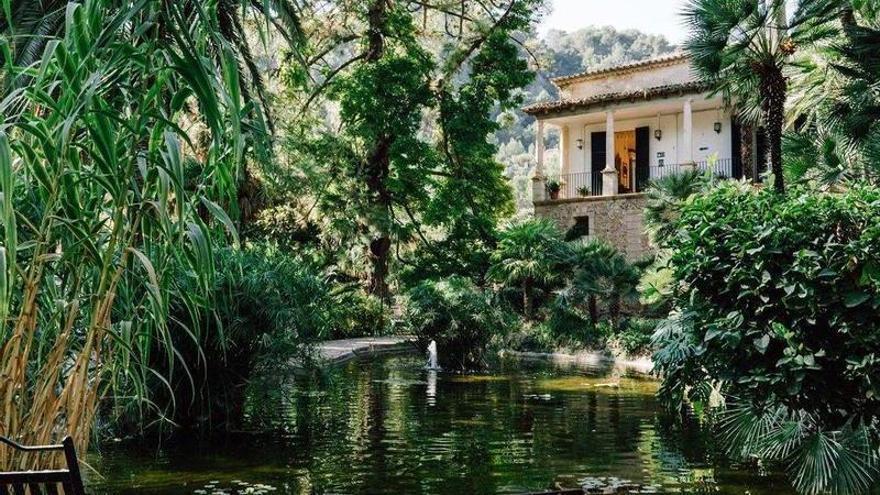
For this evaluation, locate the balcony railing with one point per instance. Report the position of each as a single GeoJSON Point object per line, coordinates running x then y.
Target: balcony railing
{"type": "Point", "coordinates": [721, 168]}
{"type": "Point", "coordinates": [579, 185]}
{"type": "Point", "coordinates": [589, 184]}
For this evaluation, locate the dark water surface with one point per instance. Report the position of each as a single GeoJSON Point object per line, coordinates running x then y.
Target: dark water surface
{"type": "Point", "coordinates": [390, 427]}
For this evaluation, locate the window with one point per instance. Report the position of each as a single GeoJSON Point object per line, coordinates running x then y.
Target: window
{"type": "Point", "coordinates": [581, 228]}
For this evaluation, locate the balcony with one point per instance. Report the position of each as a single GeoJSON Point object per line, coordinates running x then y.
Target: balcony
{"type": "Point", "coordinates": [589, 184]}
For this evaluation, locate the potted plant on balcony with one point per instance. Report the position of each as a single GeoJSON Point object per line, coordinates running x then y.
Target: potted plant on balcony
{"type": "Point", "coordinates": [553, 188]}
{"type": "Point", "coordinates": [584, 191]}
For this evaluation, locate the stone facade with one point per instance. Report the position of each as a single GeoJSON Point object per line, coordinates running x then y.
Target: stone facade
{"type": "Point", "coordinates": [618, 220]}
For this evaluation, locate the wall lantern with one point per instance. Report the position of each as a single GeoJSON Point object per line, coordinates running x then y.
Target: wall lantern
{"type": "Point", "coordinates": [658, 134]}
{"type": "Point", "coordinates": [580, 143]}
{"type": "Point", "coordinates": [717, 127]}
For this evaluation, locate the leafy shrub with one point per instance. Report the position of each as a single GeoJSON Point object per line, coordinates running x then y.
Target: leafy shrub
{"type": "Point", "coordinates": [633, 337]}
{"type": "Point", "coordinates": [532, 338]}
{"type": "Point", "coordinates": [284, 225]}
{"type": "Point", "coordinates": [268, 307]}
{"type": "Point", "coordinates": [778, 297]}
{"type": "Point", "coordinates": [358, 314]}
{"type": "Point", "coordinates": [569, 326]}
{"type": "Point", "coordinates": [459, 316]}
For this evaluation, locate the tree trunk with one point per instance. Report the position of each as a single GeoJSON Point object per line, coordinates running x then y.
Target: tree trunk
{"type": "Point", "coordinates": [773, 92]}
{"type": "Point", "coordinates": [747, 149]}
{"type": "Point", "coordinates": [614, 310]}
{"type": "Point", "coordinates": [377, 167]}
{"type": "Point", "coordinates": [593, 307]}
{"type": "Point", "coordinates": [527, 299]}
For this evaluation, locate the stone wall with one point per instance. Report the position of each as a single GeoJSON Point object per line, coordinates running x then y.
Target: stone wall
{"type": "Point", "coordinates": [618, 220]}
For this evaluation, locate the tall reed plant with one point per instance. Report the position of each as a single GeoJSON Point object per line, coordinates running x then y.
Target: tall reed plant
{"type": "Point", "coordinates": [100, 203]}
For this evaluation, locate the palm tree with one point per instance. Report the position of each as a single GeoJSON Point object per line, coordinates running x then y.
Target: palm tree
{"type": "Point", "coordinates": [835, 100]}
{"type": "Point", "coordinates": [743, 47]}
{"type": "Point", "coordinates": [664, 198]}
{"type": "Point", "coordinates": [527, 255]}
{"type": "Point", "coordinates": [602, 273]}
{"type": "Point", "coordinates": [586, 264]}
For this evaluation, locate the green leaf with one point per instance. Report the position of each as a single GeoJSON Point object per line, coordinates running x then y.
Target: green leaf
{"type": "Point", "coordinates": [762, 344]}
{"type": "Point", "coordinates": [221, 215]}
{"type": "Point", "coordinates": [853, 299]}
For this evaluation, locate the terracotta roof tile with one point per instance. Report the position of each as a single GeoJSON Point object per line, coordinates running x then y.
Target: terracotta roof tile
{"type": "Point", "coordinates": [629, 66]}
{"type": "Point", "coordinates": [556, 106]}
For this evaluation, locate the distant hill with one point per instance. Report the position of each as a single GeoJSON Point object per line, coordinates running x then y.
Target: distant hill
{"type": "Point", "coordinates": [562, 53]}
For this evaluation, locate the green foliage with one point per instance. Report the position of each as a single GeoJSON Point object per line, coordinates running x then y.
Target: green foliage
{"type": "Point", "coordinates": [835, 100]}
{"type": "Point", "coordinates": [600, 272]}
{"type": "Point", "coordinates": [285, 226]}
{"type": "Point", "coordinates": [748, 67]}
{"type": "Point", "coordinates": [634, 336]}
{"type": "Point", "coordinates": [528, 259]}
{"type": "Point", "coordinates": [566, 326]}
{"type": "Point", "coordinates": [268, 308]}
{"type": "Point", "coordinates": [665, 198]}
{"type": "Point", "coordinates": [409, 172]}
{"type": "Point", "coordinates": [580, 286]}
{"type": "Point", "coordinates": [778, 297]}
{"type": "Point", "coordinates": [459, 316]}
{"type": "Point", "coordinates": [103, 229]}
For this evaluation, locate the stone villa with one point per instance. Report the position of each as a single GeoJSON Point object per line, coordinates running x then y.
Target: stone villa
{"type": "Point", "coordinates": [619, 128]}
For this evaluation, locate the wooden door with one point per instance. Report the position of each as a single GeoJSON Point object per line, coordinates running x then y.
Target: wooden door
{"type": "Point", "coordinates": [625, 159]}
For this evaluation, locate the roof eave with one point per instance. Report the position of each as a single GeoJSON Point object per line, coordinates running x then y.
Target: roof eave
{"type": "Point", "coordinates": [562, 108]}
{"type": "Point", "coordinates": [637, 66]}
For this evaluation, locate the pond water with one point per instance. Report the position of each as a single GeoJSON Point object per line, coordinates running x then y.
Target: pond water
{"type": "Point", "coordinates": [389, 427]}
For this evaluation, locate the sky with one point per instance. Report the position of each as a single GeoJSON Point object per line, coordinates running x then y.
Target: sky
{"type": "Point", "coordinates": [651, 16]}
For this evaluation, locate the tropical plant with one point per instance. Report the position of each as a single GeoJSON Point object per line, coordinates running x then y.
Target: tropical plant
{"type": "Point", "coordinates": [97, 212]}
{"type": "Point", "coordinates": [742, 47]}
{"type": "Point", "coordinates": [777, 300]}
{"type": "Point", "coordinates": [665, 198]}
{"type": "Point", "coordinates": [584, 259]}
{"type": "Point", "coordinates": [835, 101]}
{"type": "Point", "coordinates": [29, 26]}
{"type": "Point", "coordinates": [601, 272]}
{"type": "Point", "coordinates": [528, 257]}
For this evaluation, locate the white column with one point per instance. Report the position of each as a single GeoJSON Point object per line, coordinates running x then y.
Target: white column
{"type": "Point", "coordinates": [538, 179]}
{"type": "Point", "coordinates": [609, 175]}
{"type": "Point", "coordinates": [539, 149]}
{"type": "Point", "coordinates": [565, 149]}
{"type": "Point", "coordinates": [687, 141]}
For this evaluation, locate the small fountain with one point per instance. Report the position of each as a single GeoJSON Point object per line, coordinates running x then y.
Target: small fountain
{"type": "Point", "coordinates": [432, 357]}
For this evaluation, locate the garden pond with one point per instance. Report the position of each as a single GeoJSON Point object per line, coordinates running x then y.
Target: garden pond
{"type": "Point", "coordinates": [388, 426]}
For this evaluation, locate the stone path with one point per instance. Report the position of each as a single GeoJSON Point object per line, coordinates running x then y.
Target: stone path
{"type": "Point", "coordinates": [340, 351]}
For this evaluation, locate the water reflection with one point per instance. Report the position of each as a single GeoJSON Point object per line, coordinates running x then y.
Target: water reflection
{"type": "Point", "coordinates": [431, 390]}
{"type": "Point", "coordinates": [381, 428]}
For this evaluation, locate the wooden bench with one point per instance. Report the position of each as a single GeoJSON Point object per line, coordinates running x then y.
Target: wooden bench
{"type": "Point", "coordinates": [43, 482]}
